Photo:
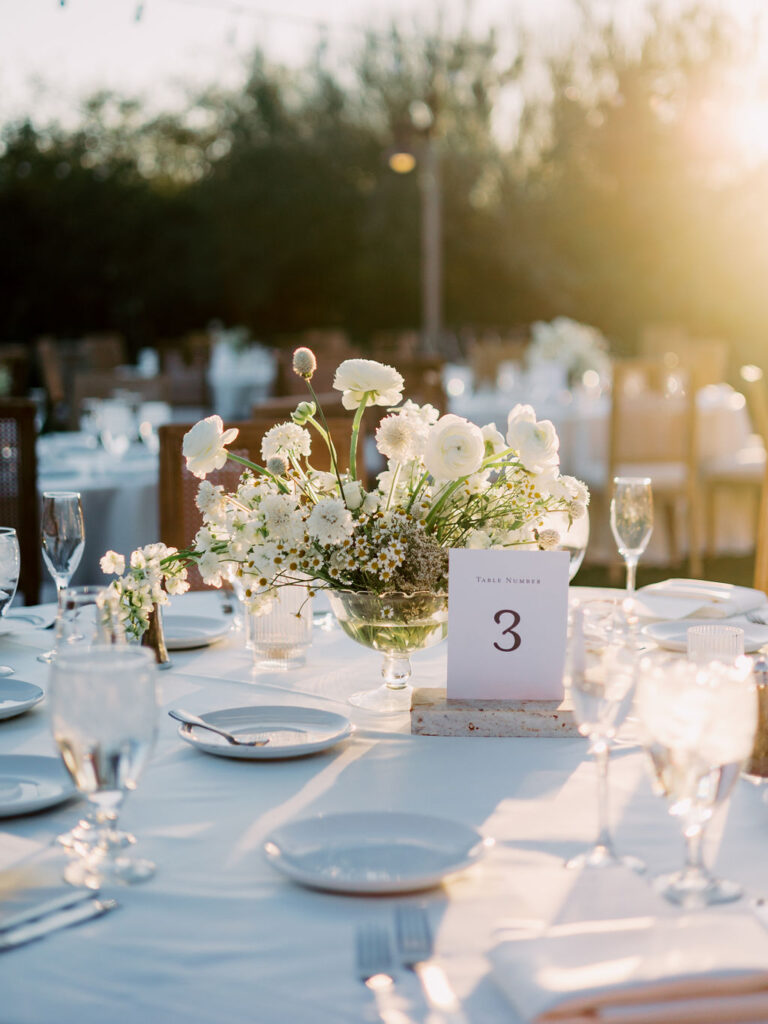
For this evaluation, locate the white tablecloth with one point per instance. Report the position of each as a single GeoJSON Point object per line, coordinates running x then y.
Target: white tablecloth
{"type": "Point", "coordinates": [119, 497]}
{"type": "Point", "coordinates": [218, 936]}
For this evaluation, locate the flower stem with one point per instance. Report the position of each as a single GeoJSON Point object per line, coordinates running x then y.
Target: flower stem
{"type": "Point", "coordinates": [327, 436]}
{"type": "Point", "coordinates": [259, 469]}
{"type": "Point", "coordinates": [355, 431]}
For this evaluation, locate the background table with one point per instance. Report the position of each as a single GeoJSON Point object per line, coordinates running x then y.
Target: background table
{"type": "Point", "coordinates": [119, 496]}
{"type": "Point", "coordinates": [217, 935]}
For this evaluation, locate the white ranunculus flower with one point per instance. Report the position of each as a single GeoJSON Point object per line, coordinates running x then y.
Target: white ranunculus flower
{"type": "Point", "coordinates": [455, 448]}
{"type": "Point", "coordinates": [204, 445]}
{"type": "Point", "coordinates": [355, 377]}
{"type": "Point", "coordinates": [536, 443]}
{"type": "Point", "coordinates": [494, 438]}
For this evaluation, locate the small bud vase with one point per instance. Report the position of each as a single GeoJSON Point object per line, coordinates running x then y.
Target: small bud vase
{"type": "Point", "coordinates": [154, 637]}
{"type": "Point", "coordinates": [281, 631]}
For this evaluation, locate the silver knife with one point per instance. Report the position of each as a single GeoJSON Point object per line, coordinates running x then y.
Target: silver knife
{"type": "Point", "coordinates": [60, 902]}
{"type": "Point", "coordinates": [63, 919]}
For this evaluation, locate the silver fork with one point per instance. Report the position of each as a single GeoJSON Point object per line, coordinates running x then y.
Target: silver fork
{"type": "Point", "coordinates": [373, 954]}
{"type": "Point", "coordinates": [415, 947]}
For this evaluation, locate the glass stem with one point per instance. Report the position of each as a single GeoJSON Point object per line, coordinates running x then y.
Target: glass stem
{"type": "Point", "coordinates": [396, 671]}
{"type": "Point", "coordinates": [631, 573]}
{"type": "Point", "coordinates": [694, 868]}
{"type": "Point", "coordinates": [601, 752]}
{"type": "Point", "coordinates": [107, 805]}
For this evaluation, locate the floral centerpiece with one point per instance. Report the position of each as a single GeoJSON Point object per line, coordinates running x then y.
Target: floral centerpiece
{"type": "Point", "coordinates": [380, 551]}
{"type": "Point", "coordinates": [575, 347]}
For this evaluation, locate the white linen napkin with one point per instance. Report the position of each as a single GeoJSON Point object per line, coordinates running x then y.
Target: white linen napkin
{"type": "Point", "coordinates": [681, 599]}
{"type": "Point", "coordinates": [703, 968]}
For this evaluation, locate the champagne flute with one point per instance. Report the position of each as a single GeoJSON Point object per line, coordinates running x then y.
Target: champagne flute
{"type": "Point", "coordinates": [603, 677]}
{"type": "Point", "coordinates": [63, 537]}
{"type": "Point", "coordinates": [104, 720]}
{"type": "Point", "coordinates": [699, 724]}
{"type": "Point", "coordinates": [10, 566]}
{"type": "Point", "coordinates": [631, 521]}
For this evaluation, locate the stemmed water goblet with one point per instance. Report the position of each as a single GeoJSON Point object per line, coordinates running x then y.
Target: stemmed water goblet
{"type": "Point", "coordinates": [698, 724]}
{"type": "Point", "coordinates": [603, 676]}
{"type": "Point", "coordinates": [10, 566]}
{"type": "Point", "coordinates": [104, 720]}
{"type": "Point", "coordinates": [631, 521]}
{"type": "Point", "coordinates": [63, 538]}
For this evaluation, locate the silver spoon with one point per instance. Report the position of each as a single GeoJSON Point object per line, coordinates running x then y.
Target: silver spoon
{"type": "Point", "coordinates": [237, 741]}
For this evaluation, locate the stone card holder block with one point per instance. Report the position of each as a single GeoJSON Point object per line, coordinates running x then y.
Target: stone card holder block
{"type": "Point", "coordinates": [433, 715]}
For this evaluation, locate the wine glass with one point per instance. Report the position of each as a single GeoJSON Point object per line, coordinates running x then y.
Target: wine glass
{"type": "Point", "coordinates": [117, 426]}
{"type": "Point", "coordinates": [63, 536]}
{"type": "Point", "coordinates": [699, 724]}
{"type": "Point", "coordinates": [603, 678]}
{"type": "Point", "coordinates": [631, 521]}
{"type": "Point", "coordinates": [10, 565]}
{"type": "Point", "coordinates": [104, 720]}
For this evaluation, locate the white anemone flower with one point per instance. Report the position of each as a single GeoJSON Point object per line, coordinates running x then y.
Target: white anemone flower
{"type": "Point", "coordinates": [357, 377]}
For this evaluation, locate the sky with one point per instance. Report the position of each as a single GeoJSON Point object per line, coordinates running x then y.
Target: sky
{"type": "Point", "coordinates": [54, 52]}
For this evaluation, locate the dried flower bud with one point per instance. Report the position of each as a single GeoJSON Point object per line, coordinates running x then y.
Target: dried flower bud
{"type": "Point", "coordinates": [303, 412]}
{"type": "Point", "coordinates": [277, 465]}
{"type": "Point", "coordinates": [577, 509]}
{"type": "Point", "coordinates": [548, 539]}
{"type": "Point", "coordinates": [304, 362]}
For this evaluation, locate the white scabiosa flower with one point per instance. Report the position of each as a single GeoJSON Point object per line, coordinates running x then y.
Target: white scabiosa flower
{"type": "Point", "coordinates": [536, 443]}
{"type": "Point", "coordinates": [356, 377]}
{"type": "Point", "coordinates": [204, 446]}
{"type": "Point", "coordinates": [304, 362]}
{"type": "Point", "coordinates": [455, 448]}
{"type": "Point", "coordinates": [397, 437]}
{"type": "Point", "coordinates": [548, 539]}
{"type": "Point", "coordinates": [330, 521]}
{"type": "Point", "coordinates": [286, 439]}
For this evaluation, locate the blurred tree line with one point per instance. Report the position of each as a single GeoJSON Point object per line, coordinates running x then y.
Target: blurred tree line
{"type": "Point", "coordinates": [276, 208]}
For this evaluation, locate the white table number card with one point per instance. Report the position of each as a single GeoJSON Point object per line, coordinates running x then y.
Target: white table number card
{"type": "Point", "coordinates": [508, 621]}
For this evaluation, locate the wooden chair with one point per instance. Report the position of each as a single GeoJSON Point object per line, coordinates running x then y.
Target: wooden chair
{"type": "Point", "coordinates": [180, 518]}
{"type": "Point", "coordinates": [14, 360]}
{"type": "Point", "coordinates": [489, 353]}
{"type": "Point", "coordinates": [653, 433]}
{"type": "Point", "coordinates": [709, 357]}
{"type": "Point", "coordinates": [18, 488]}
{"type": "Point", "coordinates": [761, 553]}
{"type": "Point", "coordinates": [423, 377]}
{"type": "Point", "coordinates": [101, 352]}
{"type": "Point", "coordinates": [104, 385]}
{"type": "Point", "coordinates": [743, 469]}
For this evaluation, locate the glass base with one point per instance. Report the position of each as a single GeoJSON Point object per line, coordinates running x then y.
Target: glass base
{"type": "Point", "coordinates": [97, 870]}
{"type": "Point", "coordinates": [384, 699]}
{"type": "Point", "coordinates": [279, 658]}
{"type": "Point", "coordinates": [85, 835]}
{"type": "Point", "coordinates": [47, 657]}
{"type": "Point", "coordinates": [699, 891]}
{"type": "Point", "coordinates": [604, 857]}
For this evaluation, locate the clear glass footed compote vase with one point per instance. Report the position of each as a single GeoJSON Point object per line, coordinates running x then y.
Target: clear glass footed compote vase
{"type": "Point", "coordinates": [397, 625]}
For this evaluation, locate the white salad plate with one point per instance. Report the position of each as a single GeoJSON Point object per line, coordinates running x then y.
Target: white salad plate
{"type": "Point", "coordinates": [16, 696]}
{"type": "Point", "coordinates": [16, 623]}
{"type": "Point", "coordinates": [29, 783]}
{"type": "Point", "coordinates": [291, 731]}
{"type": "Point", "coordinates": [373, 851]}
{"type": "Point", "coordinates": [673, 636]}
{"type": "Point", "coordinates": [185, 632]}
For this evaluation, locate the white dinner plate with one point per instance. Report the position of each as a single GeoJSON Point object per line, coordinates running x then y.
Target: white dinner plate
{"type": "Point", "coordinates": [16, 623]}
{"type": "Point", "coordinates": [30, 783]}
{"type": "Point", "coordinates": [373, 851]}
{"type": "Point", "coordinates": [672, 636]}
{"type": "Point", "coordinates": [292, 731]}
{"type": "Point", "coordinates": [16, 696]}
{"type": "Point", "coordinates": [185, 632]}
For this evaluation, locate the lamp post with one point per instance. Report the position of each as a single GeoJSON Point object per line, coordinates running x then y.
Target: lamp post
{"type": "Point", "coordinates": [403, 159]}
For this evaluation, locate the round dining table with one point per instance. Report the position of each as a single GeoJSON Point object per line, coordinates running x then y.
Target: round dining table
{"type": "Point", "coordinates": [218, 935]}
